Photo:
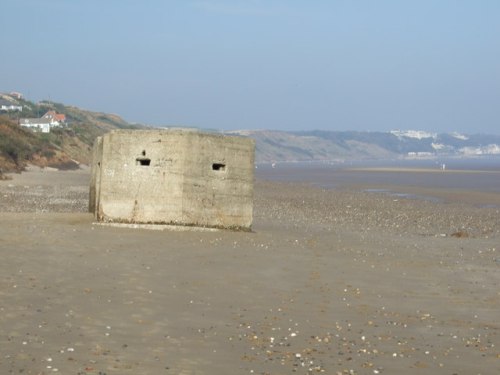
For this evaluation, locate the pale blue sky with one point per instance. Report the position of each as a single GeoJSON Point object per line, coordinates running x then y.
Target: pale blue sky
{"type": "Point", "coordinates": [262, 64]}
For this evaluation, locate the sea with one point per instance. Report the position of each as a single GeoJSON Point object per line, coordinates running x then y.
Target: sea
{"type": "Point", "coordinates": [477, 174]}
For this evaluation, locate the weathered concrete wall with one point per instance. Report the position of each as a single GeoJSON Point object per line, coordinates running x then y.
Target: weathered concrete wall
{"type": "Point", "coordinates": [173, 176]}
{"type": "Point", "coordinates": [95, 175]}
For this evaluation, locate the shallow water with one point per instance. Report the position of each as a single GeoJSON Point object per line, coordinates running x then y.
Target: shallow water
{"type": "Point", "coordinates": [482, 175]}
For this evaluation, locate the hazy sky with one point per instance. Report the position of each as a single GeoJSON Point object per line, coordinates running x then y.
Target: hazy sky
{"type": "Point", "coordinates": [262, 64]}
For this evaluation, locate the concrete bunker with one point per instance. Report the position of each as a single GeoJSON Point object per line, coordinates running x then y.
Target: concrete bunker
{"type": "Point", "coordinates": [173, 176]}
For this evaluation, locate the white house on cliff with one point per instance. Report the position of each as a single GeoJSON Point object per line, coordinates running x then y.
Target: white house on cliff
{"type": "Point", "coordinates": [43, 124]}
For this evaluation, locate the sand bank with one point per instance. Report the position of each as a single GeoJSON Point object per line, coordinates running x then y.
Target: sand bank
{"type": "Point", "coordinates": [421, 170]}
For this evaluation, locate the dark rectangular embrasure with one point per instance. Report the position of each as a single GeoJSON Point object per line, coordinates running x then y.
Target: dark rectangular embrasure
{"type": "Point", "coordinates": [143, 161]}
{"type": "Point", "coordinates": [218, 167]}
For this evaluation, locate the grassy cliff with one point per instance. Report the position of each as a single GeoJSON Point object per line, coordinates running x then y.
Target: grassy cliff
{"type": "Point", "coordinates": [65, 147]}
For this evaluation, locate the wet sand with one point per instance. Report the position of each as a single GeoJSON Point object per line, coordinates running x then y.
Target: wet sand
{"type": "Point", "coordinates": [334, 282]}
{"type": "Point", "coordinates": [420, 170]}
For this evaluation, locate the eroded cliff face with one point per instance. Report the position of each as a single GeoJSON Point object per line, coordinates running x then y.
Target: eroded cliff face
{"type": "Point", "coordinates": [20, 147]}
{"type": "Point", "coordinates": [65, 147]}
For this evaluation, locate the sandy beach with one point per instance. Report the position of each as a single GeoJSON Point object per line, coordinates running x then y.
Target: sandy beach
{"type": "Point", "coordinates": [329, 281]}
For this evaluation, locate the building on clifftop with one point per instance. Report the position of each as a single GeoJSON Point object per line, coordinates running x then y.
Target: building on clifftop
{"type": "Point", "coordinates": [8, 106]}
{"type": "Point", "coordinates": [173, 176]}
{"type": "Point", "coordinates": [43, 124]}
